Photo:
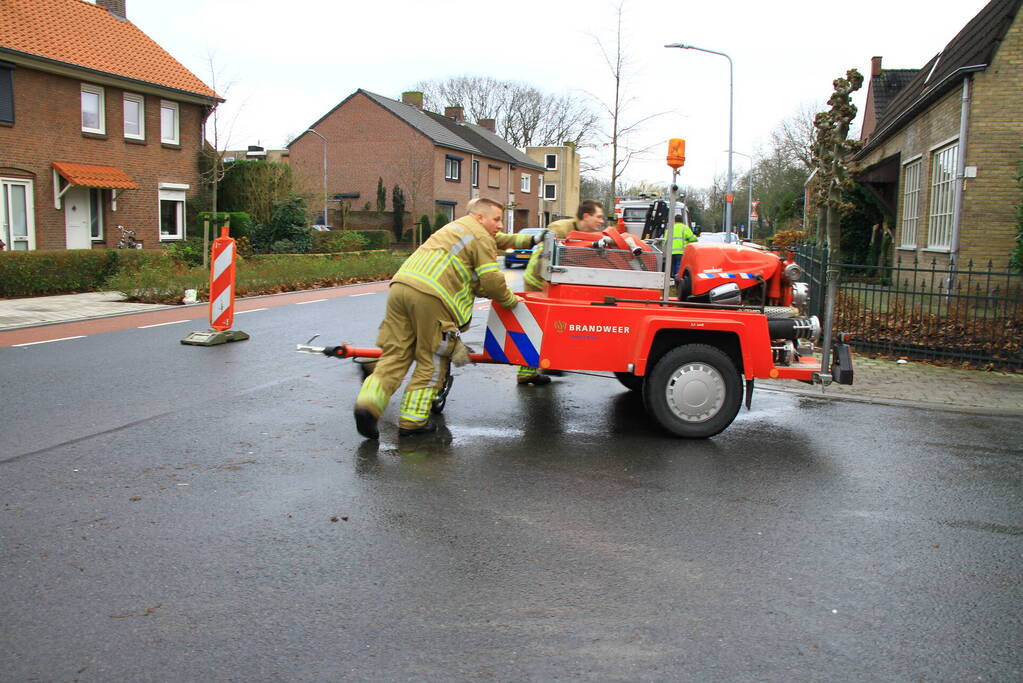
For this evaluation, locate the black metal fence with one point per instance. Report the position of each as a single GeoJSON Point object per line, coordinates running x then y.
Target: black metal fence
{"type": "Point", "coordinates": [925, 310]}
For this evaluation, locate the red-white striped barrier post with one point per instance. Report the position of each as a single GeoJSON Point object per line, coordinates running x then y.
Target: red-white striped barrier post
{"type": "Point", "coordinates": [222, 270]}
{"type": "Point", "coordinates": [222, 282]}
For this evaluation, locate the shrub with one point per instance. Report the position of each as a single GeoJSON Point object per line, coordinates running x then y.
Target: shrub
{"type": "Point", "coordinates": [287, 224]}
{"type": "Point", "coordinates": [337, 240]}
{"type": "Point", "coordinates": [424, 227]}
{"type": "Point", "coordinates": [187, 252]}
{"type": "Point", "coordinates": [398, 206]}
{"type": "Point", "coordinates": [785, 239]}
{"type": "Point", "coordinates": [440, 220]}
{"type": "Point", "coordinates": [375, 239]}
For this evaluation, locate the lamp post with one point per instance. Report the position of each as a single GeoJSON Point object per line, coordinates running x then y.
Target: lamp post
{"type": "Point", "coordinates": [728, 201]}
{"type": "Point", "coordinates": [310, 130]}
{"type": "Point", "coordinates": [749, 211]}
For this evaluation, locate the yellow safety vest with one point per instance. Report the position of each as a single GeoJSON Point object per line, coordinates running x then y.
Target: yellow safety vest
{"type": "Point", "coordinates": [681, 236]}
{"type": "Point", "coordinates": [455, 264]}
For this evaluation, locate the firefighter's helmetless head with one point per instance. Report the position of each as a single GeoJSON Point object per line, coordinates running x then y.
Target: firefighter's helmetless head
{"type": "Point", "coordinates": [489, 213]}
{"type": "Point", "coordinates": [590, 215]}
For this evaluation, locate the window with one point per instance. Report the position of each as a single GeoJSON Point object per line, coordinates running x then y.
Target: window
{"type": "Point", "coordinates": [524, 183]}
{"type": "Point", "coordinates": [943, 175]}
{"type": "Point", "coordinates": [452, 168]}
{"type": "Point", "coordinates": [475, 173]}
{"type": "Point", "coordinates": [6, 93]}
{"type": "Point", "coordinates": [134, 116]}
{"type": "Point", "coordinates": [550, 191]}
{"type": "Point", "coordinates": [17, 227]}
{"type": "Point", "coordinates": [446, 209]}
{"type": "Point", "coordinates": [93, 116]}
{"type": "Point", "coordinates": [169, 123]}
{"type": "Point", "coordinates": [493, 176]}
{"type": "Point", "coordinates": [910, 203]}
{"type": "Point", "coordinates": [551, 162]}
{"type": "Point", "coordinates": [172, 213]}
{"type": "Point", "coordinates": [95, 214]}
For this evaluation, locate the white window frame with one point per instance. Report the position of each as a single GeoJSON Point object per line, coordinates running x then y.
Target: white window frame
{"type": "Point", "coordinates": [140, 100]}
{"type": "Point", "coordinates": [911, 202]}
{"type": "Point", "coordinates": [553, 195]}
{"type": "Point", "coordinates": [166, 105]}
{"type": "Point", "coordinates": [452, 169]}
{"type": "Point", "coordinates": [96, 90]}
{"type": "Point", "coordinates": [96, 214]}
{"type": "Point", "coordinates": [172, 192]}
{"type": "Point", "coordinates": [447, 209]}
{"type": "Point", "coordinates": [943, 182]}
{"type": "Point", "coordinates": [475, 173]}
{"type": "Point", "coordinates": [546, 162]}
{"type": "Point", "coordinates": [524, 183]}
{"type": "Point", "coordinates": [26, 242]}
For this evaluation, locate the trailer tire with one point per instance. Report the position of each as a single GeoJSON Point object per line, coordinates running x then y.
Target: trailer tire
{"type": "Point", "coordinates": [630, 381]}
{"type": "Point", "coordinates": [694, 391]}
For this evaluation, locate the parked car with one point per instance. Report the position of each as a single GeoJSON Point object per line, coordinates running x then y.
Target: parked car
{"type": "Point", "coordinates": [717, 237]}
{"type": "Point", "coordinates": [516, 257]}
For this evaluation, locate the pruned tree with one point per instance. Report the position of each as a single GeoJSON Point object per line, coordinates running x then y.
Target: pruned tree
{"type": "Point", "coordinates": [381, 196]}
{"type": "Point", "coordinates": [215, 141]}
{"type": "Point", "coordinates": [620, 127]}
{"type": "Point", "coordinates": [524, 115]}
{"type": "Point", "coordinates": [831, 147]}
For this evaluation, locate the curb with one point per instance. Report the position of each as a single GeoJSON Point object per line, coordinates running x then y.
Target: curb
{"type": "Point", "coordinates": [896, 402]}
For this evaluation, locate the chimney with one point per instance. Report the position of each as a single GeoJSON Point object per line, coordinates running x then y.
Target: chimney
{"type": "Point", "coordinates": [414, 98]}
{"type": "Point", "coordinates": [875, 66]}
{"type": "Point", "coordinates": [456, 113]}
{"type": "Point", "coordinates": [115, 7]}
{"type": "Point", "coordinates": [489, 124]}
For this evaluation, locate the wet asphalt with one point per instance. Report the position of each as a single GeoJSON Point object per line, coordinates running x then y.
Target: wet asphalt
{"type": "Point", "coordinates": [177, 513]}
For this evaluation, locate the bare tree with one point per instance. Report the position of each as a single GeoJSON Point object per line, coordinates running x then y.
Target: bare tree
{"type": "Point", "coordinates": [794, 137]}
{"type": "Point", "coordinates": [621, 128]}
{"type": "Point", "coordinates": [212, 150]}
{"type": "Point", "coordinates": [524, 115]}
{"type": "Point", "coordinates": [415, 174]}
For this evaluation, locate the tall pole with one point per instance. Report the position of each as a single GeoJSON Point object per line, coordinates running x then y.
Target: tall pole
{"type": "Point", "coordinates": [731, 98]}
{"type": "Point", "coordinates": [310, 130]}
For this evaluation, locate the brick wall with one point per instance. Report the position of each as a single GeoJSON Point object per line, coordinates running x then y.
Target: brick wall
{"type": "Point", "coordinates": [993, 146]}
{"type": "Point", "coordinates": [987, 229]}
{"type": "Point", "coordinates": [47, 128]}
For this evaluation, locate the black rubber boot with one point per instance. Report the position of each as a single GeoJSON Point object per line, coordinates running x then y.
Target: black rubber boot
{"type": "Point", "coordinates": [429, 428]}
{"type": "Point", "coordinates": [366, 423]}
{"type": "Point", "coordinates": [535, 380]}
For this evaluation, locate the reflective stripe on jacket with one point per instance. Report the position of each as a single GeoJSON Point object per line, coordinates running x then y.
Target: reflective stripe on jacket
{"type": "Point", "coordinates": [681, 236]}
{"type": "Point", "coordinates": [455, 264]}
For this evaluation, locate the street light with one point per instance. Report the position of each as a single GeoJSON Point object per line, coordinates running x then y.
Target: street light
{"type": "Point", "coordinates": [749, 213]}
{"type": "Point", "coordinates": [728, 201]}
{"type": "Point", "coordinates": [310, 130]}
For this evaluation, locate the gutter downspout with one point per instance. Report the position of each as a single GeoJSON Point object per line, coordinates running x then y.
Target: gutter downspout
{"type": "Point", "coordinates": [957, 200]}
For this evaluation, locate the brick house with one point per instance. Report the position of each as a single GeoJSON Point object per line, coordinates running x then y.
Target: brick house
{"type": "Point", "coordinates": [99, 127]}
{"type": "Point", "coordinates": [561, 180]}
{"type": "Point", "coordinates": [440, 161]}
{"type": "Point", "coordinates": [942, 143]}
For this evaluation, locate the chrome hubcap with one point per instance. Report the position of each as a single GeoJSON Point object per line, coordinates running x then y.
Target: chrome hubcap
{"type": "Point", "coordinates": [696, 392]}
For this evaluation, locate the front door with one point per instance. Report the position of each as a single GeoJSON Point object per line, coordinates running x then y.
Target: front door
{"type": "Point", "coordinates": [77, 218]}
{"type": "Point", "coordinates": [17, 215]}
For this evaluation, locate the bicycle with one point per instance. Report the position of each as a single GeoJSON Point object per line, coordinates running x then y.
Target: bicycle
{"type": "Point", "coordinates": [127, 240]}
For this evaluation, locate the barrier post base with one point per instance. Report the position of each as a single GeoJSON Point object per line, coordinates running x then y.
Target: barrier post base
{"type": "Point", "coordinates": [214, 337]}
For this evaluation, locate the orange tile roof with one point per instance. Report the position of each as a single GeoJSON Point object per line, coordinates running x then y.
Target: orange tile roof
{"type": "Point", "coordinates": [81, 34]}
{"type": "Point", "coordinates": [91, 175]}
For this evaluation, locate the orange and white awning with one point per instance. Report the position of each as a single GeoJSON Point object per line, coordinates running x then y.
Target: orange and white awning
{"type": "Point", "coordinates": [90, 175]}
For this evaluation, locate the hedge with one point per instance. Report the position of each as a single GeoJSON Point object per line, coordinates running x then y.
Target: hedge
{"type": "Point", "coordinates": [239, 223]}
{"type": "Point", "coordinates": [42, 273]}
{"type": "Point", "coordinates": [376, 239]}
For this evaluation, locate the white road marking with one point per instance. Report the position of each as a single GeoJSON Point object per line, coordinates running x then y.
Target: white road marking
{"type": "Point", "coordinates": [363, 294]}
{"type": "Point", "coordinates": [251, 310]}
{"type": "Point", "coordinates": [299, 303]}
{"type": "Point", "coordinates": [172, 322]}
{"type": "Point", "coordinates": [47, 341]}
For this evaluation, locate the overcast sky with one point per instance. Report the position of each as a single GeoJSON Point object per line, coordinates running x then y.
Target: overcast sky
{"type": "Point", "coordinates": [282, 65]}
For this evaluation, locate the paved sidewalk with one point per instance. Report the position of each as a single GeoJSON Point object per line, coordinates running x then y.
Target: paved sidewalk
{"type": "Point", "coordinates": [15, 313]}
{"type": "Point", "coordinates": [876, 380]}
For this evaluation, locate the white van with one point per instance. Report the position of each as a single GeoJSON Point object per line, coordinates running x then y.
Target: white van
{"type": "Point", "coordinates": [638, 211]}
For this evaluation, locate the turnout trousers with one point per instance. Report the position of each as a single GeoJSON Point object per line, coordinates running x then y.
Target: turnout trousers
{"type": "Point", "coordinates": [417, 328]}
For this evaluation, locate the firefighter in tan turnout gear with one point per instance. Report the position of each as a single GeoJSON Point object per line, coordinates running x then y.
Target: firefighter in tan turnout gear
{"type": "Point", "coordinates": [429, 302]}
{"type": "Point", "coordinates": [588, 218]}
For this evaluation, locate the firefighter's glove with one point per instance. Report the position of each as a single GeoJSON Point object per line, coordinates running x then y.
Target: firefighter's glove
{"type": "Point", "coordinates": [460, 354]}
{"type": "Point", "coordinates": [539, 237]}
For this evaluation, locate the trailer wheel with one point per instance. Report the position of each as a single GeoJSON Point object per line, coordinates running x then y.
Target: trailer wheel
{"type": "Point", "coordinates": [630, 381]}
{"type": "Point", "coordinates": [694, 391]}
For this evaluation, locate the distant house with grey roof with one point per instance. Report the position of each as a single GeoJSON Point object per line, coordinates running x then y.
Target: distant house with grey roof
{"type": "Point", "coordinates": [941, 144]}
{"type": "Point", "coordinates": [440, 161]}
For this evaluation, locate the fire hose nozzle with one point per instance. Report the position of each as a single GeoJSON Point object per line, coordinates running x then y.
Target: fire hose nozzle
{"type": "Point", "coordinates": [306, 348]}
